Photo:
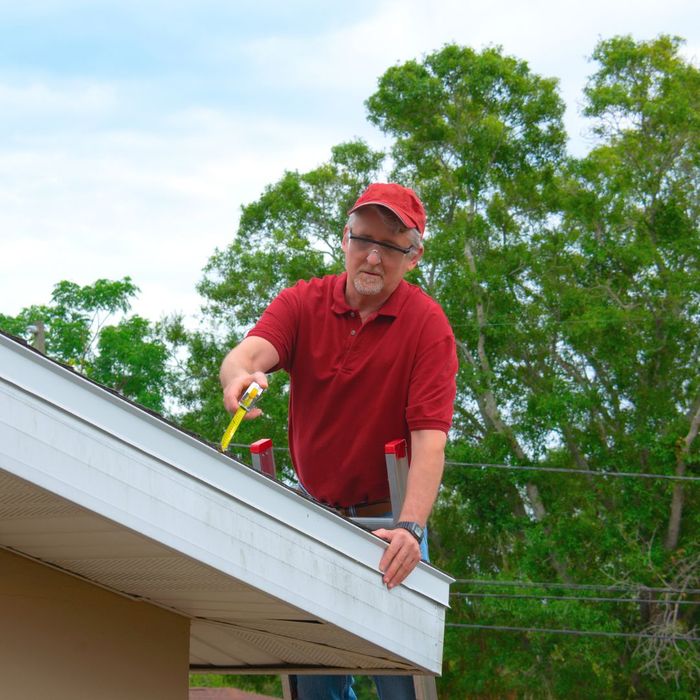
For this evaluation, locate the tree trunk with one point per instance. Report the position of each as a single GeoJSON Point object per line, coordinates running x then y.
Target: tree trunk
{"type": "Point", "coordinates": [677, 499]}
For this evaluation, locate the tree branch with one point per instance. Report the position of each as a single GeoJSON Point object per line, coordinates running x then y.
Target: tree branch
{"type": "Point", "coordinates": [683, 446]}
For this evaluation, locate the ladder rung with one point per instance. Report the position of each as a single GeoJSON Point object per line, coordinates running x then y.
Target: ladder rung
{"type": "Point", "coordinates": [373, 523]}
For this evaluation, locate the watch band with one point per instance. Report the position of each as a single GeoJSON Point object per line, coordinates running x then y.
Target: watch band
{"type": "Point", "coordinates": [414, 528]}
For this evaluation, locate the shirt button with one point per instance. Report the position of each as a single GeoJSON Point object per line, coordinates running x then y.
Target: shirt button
{"type": "Point", "coordinates": [352, 332]}
{"type": "Point", "coordinates": [352, 314]}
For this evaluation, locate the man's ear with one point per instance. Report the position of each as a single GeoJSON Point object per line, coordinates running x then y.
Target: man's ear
{"type": "Point", "coordinates": [344, 242]}
{"type": "Point", "coordinates": [415, 260]}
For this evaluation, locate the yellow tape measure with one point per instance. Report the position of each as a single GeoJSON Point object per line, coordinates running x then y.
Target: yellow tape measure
{"type": "Point", "coordinates": [248, 400]}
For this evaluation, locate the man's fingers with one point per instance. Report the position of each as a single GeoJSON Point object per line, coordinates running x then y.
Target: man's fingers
{"type": "Point", "coordinates": [237, 387]}
{"type": "Point", "coordinates": [260, 378]}
{"type": "Point", "coordinates": [404, 560]}
{"type": "Point", "coordinates": [401, 566]}
{"type": "Point", "coordinates": [233, 392]}
{"type": "Point", "coordinates": [398, 562]}
{"type": "Point", "coordinates": [401, 557]}
{"type": "Point", "coordinates": [382, 533]}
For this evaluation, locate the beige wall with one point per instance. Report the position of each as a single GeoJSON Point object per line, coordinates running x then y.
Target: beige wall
{"type": "Point", "coordinates": [64, 639]}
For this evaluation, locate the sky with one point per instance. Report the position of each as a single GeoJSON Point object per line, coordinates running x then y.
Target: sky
{"type": "Point", "coordinates": [132, 133]}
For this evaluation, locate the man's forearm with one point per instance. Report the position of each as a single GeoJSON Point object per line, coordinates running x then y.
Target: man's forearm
{"type": "Point", "coordinates": [247, 362]}
{"type": "Point", "coordinates": [234, 364]}
{"type": "Point", "coordinates": [251, 355]}
{"type": "Point", "coordinates": [425, 474]}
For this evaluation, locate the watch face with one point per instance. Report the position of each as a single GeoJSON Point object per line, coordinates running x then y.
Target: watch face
{"type": "Point", "coordinates": [414, 528]}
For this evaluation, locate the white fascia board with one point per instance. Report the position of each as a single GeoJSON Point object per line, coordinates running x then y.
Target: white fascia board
{"type": "Point", "coordinates": [75, 439]}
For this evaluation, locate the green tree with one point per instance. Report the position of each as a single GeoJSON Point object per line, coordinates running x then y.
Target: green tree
{"type": "Point", "coordinates": [625, 292]}
{"type": "Point", "coordinates": [572, 289]}
{"type": "Point", "coordinates": [483, 151]}
{"type": "Point", "coordinates": [129, 356]}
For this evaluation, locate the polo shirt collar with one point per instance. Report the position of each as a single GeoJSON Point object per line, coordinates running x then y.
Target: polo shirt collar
{"type": "Point", "coordinates": [391, 306]}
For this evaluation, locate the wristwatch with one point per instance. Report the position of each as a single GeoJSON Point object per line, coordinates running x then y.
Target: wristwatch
{"type": "Point", "coordinates": [414, 528]}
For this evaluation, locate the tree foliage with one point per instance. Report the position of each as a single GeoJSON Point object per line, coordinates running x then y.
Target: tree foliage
{"type": "Point", "coordinates": [292, 232]}
{"type": "Point", "coordinates": [128, 356]}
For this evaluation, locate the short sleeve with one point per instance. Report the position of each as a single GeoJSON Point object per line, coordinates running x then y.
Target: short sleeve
{"type": "Point", "coordinates": [433, 387]}
{"type": "Point", "coordinates": [279, 324]}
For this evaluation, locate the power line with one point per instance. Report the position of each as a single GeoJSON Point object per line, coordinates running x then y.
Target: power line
{"type": "Point", "coordinates": [246, 446]}
{"type": "Point", "coordinates": [524, 325]}
{"type": "Point", "coordinates": [536, 468]}
{"type": "Point", "coordinates": [576, 633]}
{"type": "Point", "coordinates": [640, 319]}
{"type": "Point", "coordinates": [585, 599]}
{"type": "Point", "coordinates": [568, 470]}
{"type": "Point", "coordinates": [575, 586]}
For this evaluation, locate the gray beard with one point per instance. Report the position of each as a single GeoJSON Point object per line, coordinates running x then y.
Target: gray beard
{"type": "Point", "coordinates": [368, 286]}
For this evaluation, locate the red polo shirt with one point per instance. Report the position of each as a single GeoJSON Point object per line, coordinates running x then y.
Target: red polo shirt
{"type": "Point", "coordinates": [355, 386]}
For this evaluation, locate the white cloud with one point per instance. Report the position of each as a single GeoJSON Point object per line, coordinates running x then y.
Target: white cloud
{"type": "Point", "coordinates": [150, 204]}
{"type": "Point", "coordinates": [556, 38]}
{"type": "Point", "coordinates": [109, 178]}
{"type": "Point", "coordinates": [72, 98]}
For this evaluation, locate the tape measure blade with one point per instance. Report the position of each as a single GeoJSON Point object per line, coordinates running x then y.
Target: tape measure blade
{"type": "Point", "coordinates": [232, 427]}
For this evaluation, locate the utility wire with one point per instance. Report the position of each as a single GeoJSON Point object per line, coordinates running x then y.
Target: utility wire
{"type": "Point", "coordinates": [576, 633]}
{"type": "Point", "coordinates": [246, 446]}
{"type": "Point", "coordinates": [536, 468]}
{"type": "Point", "coordinates": [575, 586]}
{"type": "Point", "coordinates": [527, 323]}
{"type": "Point", "coordinates": [567, 470]}
{"type": "Point", "coordinates": [585, 599]}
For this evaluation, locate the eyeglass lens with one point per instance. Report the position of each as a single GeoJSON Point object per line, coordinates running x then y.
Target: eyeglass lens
{"type": "Point", "coordinates": [364, 247]}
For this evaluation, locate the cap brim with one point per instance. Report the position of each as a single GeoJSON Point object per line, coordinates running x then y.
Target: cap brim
{"type": "Point", "coordinates": [405, 219]}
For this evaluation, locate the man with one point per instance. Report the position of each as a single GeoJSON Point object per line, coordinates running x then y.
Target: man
{"type": "Point", "coordinates": [371, 359]}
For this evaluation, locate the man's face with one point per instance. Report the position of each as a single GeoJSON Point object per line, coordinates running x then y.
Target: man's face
{"type": "Point", "coordinates": [372, 269]}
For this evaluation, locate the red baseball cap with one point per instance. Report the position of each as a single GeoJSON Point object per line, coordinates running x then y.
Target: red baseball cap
{"type": "Point", "coordinates": [401, 200]}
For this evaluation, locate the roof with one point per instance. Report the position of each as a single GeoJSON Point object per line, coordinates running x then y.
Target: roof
{"type": "Point", "coordinates": [100, 488]}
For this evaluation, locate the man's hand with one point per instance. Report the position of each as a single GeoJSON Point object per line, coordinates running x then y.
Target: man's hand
{"type": "Point", "coordinates": [246, 363]}
{"type": "Point", "coordinates": [400, 558]}
{"type": "Point", "coordinates": [236, 388]}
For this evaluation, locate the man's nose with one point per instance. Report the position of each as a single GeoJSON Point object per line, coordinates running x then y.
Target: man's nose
{"type": "Point", "coordinates": [374, 254]}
